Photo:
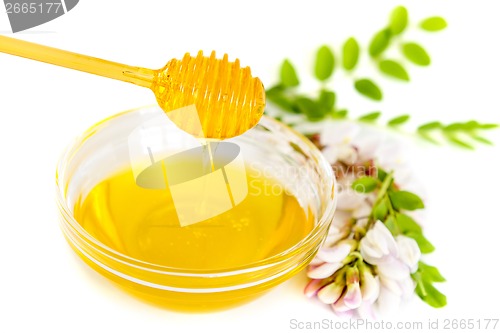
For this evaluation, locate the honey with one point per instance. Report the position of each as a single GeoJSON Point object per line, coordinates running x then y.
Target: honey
{"type": "Point", "coordinates": [143, 224]}
{"type": "Point", "coordinates": [228, 100]}
{"type": "Point", "coordinates": [271, 194]}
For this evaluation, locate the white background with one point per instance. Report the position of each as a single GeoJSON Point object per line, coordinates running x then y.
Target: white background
{"type": "Point", "coordinates": [45, 287]}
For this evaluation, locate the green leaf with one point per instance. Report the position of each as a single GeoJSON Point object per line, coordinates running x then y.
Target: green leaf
{"type": "Point", "coordinates": [381, 174]}
{"type": "Point", "coordinates": [365, 184]}
{"type": "Point", "coordinates": [310, 108]}
{"type": "Point", "coordinates": [457, 127]}
{"type": "Point", "coordinates": [482, 140]}
{"type": "Point", "coordinates": [350, 54]}
{"type": "Point", "coordinates": [416, 54]}
{"type": "Point", "coordinates": [275, 90]}
{"type": "Point", "coordinates": [368, 88]}
{"type": "Point", "coordinates": [423, 243]}
{"type": "Point", "coordinates": [425, 135]}
{"type": "Point", "coordinates": [288, 75]}
{"type": "Point", "coordinates": [327, 99]}
{"type": "Point", "coordinates": [423, 130]}
{"type": "Point", "coordinates": [407, 224]}
{"type": "Point", "coordinates": [430, 295]}
{"type": "Point", "coordinates": [380, 211]}
{"type": "Point", "coordinates": [340, 114]}
{"type": "Point", "coordinates": [277, 96]}
{"type": "Point", "coordinates": [370, 117]}
{"type": "Point", "coordinates": [405, 200]}
{"type": "Point", "coordinates": [325, 63]}
{"type": "Point", "coordinates": [400, 120]}
{"type": "Point", "coordinates": [394, 69]}
{"type": "Point", "coordinates": [457, 141]}
{"type": "Point", "coordinates": [430, 126]}
{"type": "Point", "coordinates": [398, 20]}
{"type": "Point", "coordinates": [380, 42]}
{"type": "Point", "coordinates": [390, 223]}
{"type": "Point", "coordinates": [471, 125]}
{"type": "Point", "coordinates": [430, 273]}
{"type": "Point", "coordinates": [284, 103]}
{"type": "Point", "coordinates": [488, 126]}
{"type": "Point", "coordinates": [450, 133]}
{"type": "Point", "coordinates": [435, 23]}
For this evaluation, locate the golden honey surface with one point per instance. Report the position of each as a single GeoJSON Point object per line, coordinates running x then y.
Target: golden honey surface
{"type": "Point", "coordinates": [143, 224]}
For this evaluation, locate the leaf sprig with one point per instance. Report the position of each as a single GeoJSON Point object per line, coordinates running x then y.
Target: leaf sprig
{"type": "Point", "coordinates": [389, 207]}
{"type": "Point", "coordinates": [462, 134]}
{"type": "Point", "coordinates": [323, 104]}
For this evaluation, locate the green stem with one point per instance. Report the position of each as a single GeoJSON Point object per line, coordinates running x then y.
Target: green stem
{"type": "Point", "coordinates": [357, 255]}
{"type": "Point", "coordinates": [381, 194]}
{"type": "Point", "coordinates": [389, 205]}
{"type": "Point", "coordinates": [385, 186]}
{"type": "Point", "coordinates": [392, 212]}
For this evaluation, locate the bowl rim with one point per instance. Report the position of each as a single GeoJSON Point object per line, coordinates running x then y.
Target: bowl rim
{"type": "Point", "coordinates": [69, 220]}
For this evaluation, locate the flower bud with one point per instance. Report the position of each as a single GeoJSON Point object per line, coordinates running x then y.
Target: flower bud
{"type": "Point", "coordinates": [313, 287]}
{"type": "Point", "coordinates": [378, 244]}
{"type": "Point", "coordinates": [324, 270]}
{"type": "Point", "coordinates": [336, 253]}
{"type": "Point", "coordinates": [352, 275]}
{"type": "Point", "coordinates": [409, 252]}
{"type": "Point", "coordinates": [352, 297]}
{"type": "Point", "coordinates": [370, 286]}
{"type": "Point", "coordinates": [330, 293]}
{"type": "Point", "coordinates": [340, 306]}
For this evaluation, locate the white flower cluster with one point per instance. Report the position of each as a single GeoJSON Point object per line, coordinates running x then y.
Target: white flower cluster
{"type": "Point", "coordinates": [352, 287]}
{"type": "Point", "coordinates": [369, 275]}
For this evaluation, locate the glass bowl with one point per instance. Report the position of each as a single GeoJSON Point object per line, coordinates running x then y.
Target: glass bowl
{"type": "Point", "coordinates": [290, 157]}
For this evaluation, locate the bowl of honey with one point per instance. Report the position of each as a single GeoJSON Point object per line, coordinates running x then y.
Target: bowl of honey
{"type": "Point", "coordinates": [193, 224]}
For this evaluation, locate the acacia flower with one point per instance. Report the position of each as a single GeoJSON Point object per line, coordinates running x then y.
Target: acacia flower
{"type": "Point", "coordinates": [393, 268]}
{"type": "Point", "coordinates": [313, 287]}
{"type": "Point", "coordinates": [378, 244]}
{"type": "Point", "coordinates": [370, 285]}
{"type": "Point", "coordinates": [362, 269]}
{"type": "Point", "coordinates": [338, 252]}
{"type": "Point", "coordinates": [409, 252]}
{"type": "Point", "coordinates": [330, 293]}
{"type": "Point", "coordinates": [352, 297]}
{"type": "Point", "coordinates": [341, 309]}
{"type": "Point", "coordinates": [324, 270]}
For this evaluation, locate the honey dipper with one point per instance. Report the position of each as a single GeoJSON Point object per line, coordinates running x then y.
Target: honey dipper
{"type": "Point", "coordinates": [229, 101]}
